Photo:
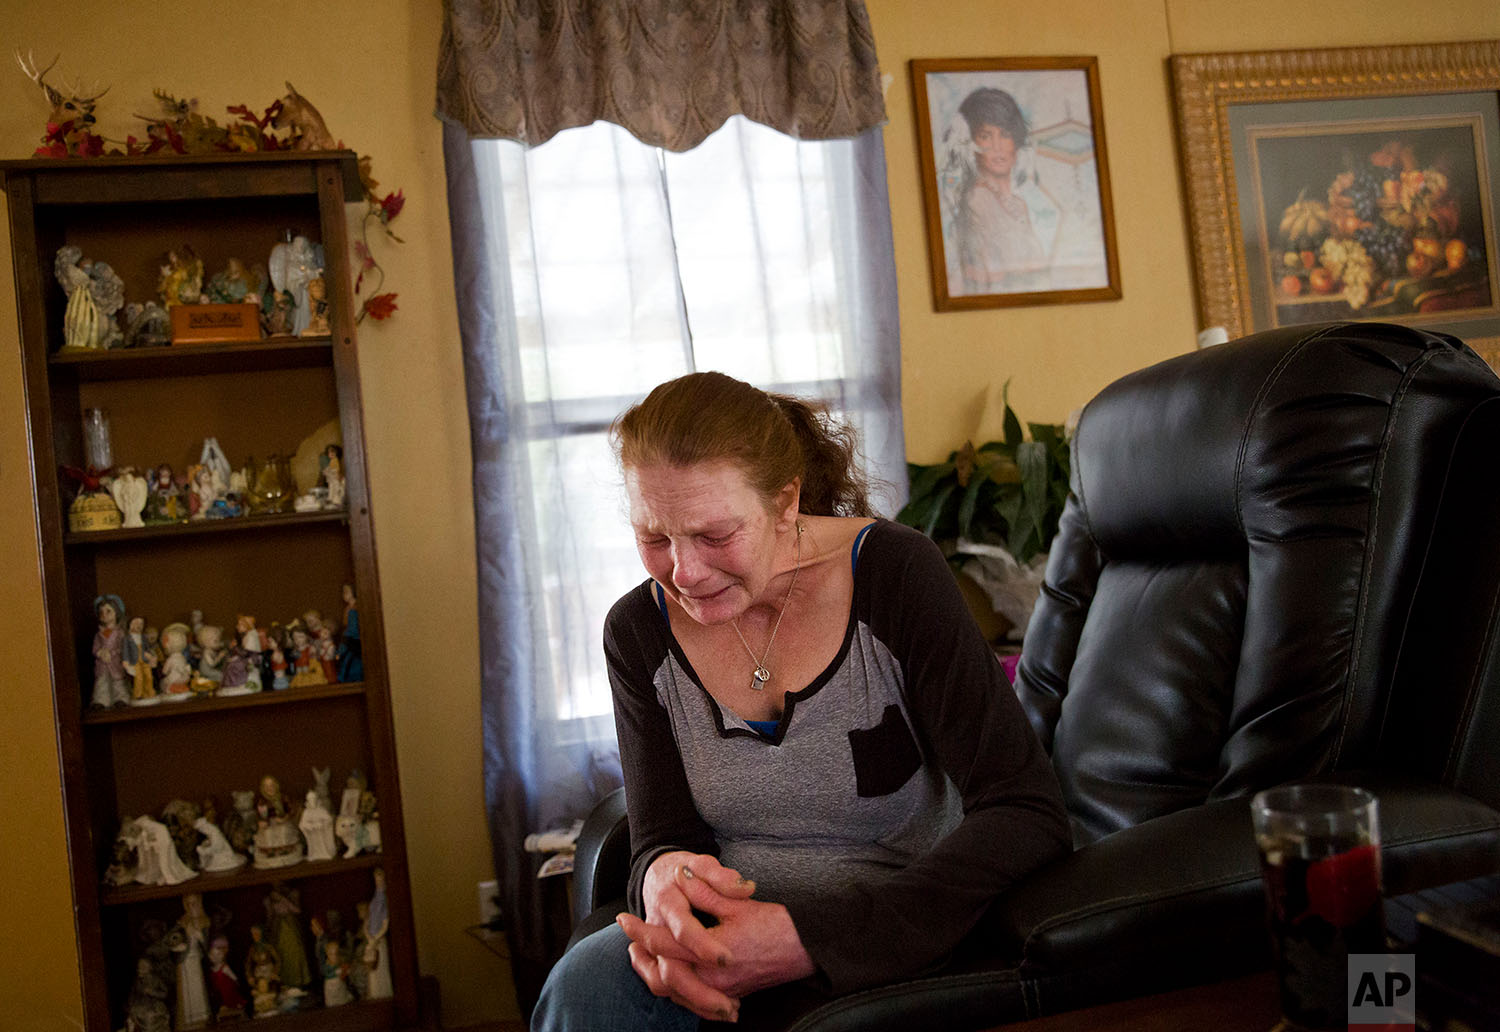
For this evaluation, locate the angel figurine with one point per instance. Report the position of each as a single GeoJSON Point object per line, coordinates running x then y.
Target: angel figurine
{"type": "Point", "coordinates": [181, 281]}
{"type": "Point", "coordinates": [129, 492]}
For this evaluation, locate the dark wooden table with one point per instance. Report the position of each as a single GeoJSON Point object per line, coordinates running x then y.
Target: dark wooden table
{"type": "Point", "coordinates": [1247, 1004]}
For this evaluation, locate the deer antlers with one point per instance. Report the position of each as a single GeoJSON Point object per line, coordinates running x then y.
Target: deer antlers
{"type": "Point", "coordinates": [73, 99]}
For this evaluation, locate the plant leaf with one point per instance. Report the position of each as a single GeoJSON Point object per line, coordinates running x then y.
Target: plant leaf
{"type": "Point", "coordinates": [1013, 435]}
{"type": "Point", "coordinates": [924, 479]}
{"type": "Point", "coordinates": [939, 504]}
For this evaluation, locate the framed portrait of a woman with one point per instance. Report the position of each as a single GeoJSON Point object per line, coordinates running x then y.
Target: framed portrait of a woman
{"type": "Point", "coordinates": [1015, 181]}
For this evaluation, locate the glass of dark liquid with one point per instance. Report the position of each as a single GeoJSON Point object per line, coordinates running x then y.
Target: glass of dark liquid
{"type": "Point", "coordinates": [1320, 863]}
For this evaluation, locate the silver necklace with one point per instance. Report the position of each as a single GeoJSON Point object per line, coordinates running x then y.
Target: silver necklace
{"type": "Point", "coordinates": [762, 675]}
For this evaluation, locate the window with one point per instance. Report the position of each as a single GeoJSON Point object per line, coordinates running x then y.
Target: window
{"type": "Point", "coordinates": [625, 265]}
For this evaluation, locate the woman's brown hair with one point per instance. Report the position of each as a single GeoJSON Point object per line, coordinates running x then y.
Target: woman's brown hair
{"type": "Point", "coordinates": [773, 438]}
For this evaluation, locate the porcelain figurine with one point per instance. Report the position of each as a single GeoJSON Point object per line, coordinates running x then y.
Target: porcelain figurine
{"type": "Point", "coordinates": [321, 777]}
{"type": "Point", "coordinates": [201, 493]}
{"type": "Point", "coordinates": [317, 828]}
{"type": "Point", "coordinates": [328, 654]}
{"type": "Point", "coordinates": [331, 476]}
{"type": "Point", "coordinates": [176, 670]}
{"type": "Point", "coordinates": [241, 824]}
{"type": "Point", "coordinates": [212, 655]}
{"type": "Point", "coordinates": [129, 492]}
{"type": "Point", "coordinates": [140, 664]}
{"type": "Point", "coordinates": [335, 976]}
{"type": "Point", "coordinates": [278, 313]}
{"type": "Point", "coordinates": [242, 668]}
{"type": "Point", "coordinates": [277, 841]}
{"type": "Point", "coordinates": [252, 643]}
{"type": "Point", "coordinates": [351, 664]}
{"type": "Point", "coordinates": [377, 956]}
{"type": "Point", "coordinates": [146, 1009]}
{"type": "Point", "coordinates": [95, 293]}
{"type": "Point", "coordinates": [180, 818]}
{"type": "Point", "coordinates": [358, 823]}
{"type": "Point", "coordinates": [225, 988]}
{"type": "Point", "coordinates": [193, 1009]}
{"type": "Point", "coordinates": [181, 280]}
{"type": "Point", "coordinates": [236, 675]}
{"type": "Point", "coordinates": [153, 646]}
{"type": "Point", "coordinates": [359, 973]}
{"type": "Point", "coordinates": [111, 688]}
{"type": "Point", "coordinates": [147, 325]}
{"type": "Point", "coordinates": [123, 863]}
{"type": "Point", "coordinates": [263, 970]}
{"type": "Point", "coordinates": [215, 854]}
{"type": "Point", "coordinates": [317, 316]}
{"type": "Point", "coordinates": [307, 668]}
{"type": "Point", "coordinates": [284, 931]}
{"type": "Point", "coordinates": [279, 679]}
{"type": "Point", "coordinates": [233, 284]}
{"type": "Point", "coordinates": [156, 854]}
{"type": "Point", "coordinates": [164, 502]}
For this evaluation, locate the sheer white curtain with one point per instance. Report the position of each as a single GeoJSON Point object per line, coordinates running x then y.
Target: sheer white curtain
{"type": "Point", "coordinates": [588, 270]}
{"type": "Point", "coordinates": [626, 265]}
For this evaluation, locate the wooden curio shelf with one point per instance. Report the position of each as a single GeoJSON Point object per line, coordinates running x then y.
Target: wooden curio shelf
{"type": "Point", "coordinates": [256, 398]}
{"type": "Point", "coordinates": [195, 359]}
{"type": "Point", "coordinates": [215, 703]}
{"type": "Point", "coordinates": [228, 525]}
{"type": "Point", "coordinates": [248, 875]}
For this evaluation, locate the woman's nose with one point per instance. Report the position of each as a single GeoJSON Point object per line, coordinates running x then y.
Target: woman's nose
{"type": "Point", "coordinates": [687, 568]}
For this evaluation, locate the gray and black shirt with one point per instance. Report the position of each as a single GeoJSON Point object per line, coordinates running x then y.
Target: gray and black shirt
{"type": "Point", "coordinates": [899, 792]}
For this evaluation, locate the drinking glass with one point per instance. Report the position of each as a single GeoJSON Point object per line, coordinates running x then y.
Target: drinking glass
{"type": "Point", "coordinates": [1320, 863]}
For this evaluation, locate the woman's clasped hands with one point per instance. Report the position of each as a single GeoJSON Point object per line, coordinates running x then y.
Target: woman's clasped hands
{"type": "Point", "coordinates": [753, 946]}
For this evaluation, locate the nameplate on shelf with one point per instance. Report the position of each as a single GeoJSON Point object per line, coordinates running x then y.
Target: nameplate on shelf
{"type": "Point", "coordinates": [205, 324]}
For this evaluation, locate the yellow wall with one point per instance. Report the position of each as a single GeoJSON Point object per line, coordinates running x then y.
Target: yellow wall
{"type": "Point", "coordinates": [1058, 356]}
{"type": "Point", "coordinates": [368, 65]}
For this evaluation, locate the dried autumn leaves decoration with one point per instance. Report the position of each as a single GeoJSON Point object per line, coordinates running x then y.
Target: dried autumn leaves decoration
{"type": "Point", "coordinates": [290, 123]}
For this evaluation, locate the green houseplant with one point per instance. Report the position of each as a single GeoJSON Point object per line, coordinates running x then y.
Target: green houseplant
{"type": "Point", "coordinates": [994, 509]}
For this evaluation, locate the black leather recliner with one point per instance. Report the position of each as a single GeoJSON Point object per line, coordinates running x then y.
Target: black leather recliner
{"type": "Point", "coordinates": [1280, 561]}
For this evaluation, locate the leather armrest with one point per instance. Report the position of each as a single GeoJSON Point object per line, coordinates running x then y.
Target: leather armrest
{"type": "Point", "coordinates": [1189, 882]}
{"type": "Point", "coordinates": [601, 858]}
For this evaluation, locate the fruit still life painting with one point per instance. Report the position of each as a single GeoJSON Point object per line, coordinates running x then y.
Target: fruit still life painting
{"type": "Point", "coordinates": [1375, 225]}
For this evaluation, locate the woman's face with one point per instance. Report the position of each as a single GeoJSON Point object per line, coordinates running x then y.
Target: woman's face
{"type": "Point", "coordinates": [706, 535]}
{"type": "Point", "coordinates": [995, 150]}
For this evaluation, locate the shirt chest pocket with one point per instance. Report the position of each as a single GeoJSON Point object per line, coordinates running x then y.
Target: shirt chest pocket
{"type": "Point", "coordinates": [885, 756]}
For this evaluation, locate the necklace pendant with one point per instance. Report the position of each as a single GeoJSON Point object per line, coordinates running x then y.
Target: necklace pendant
{"type": "Point", "coordinates": [759, 678]}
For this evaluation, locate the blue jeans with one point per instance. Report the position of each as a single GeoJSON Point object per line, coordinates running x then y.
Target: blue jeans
{"type": "Point", "coordinates": [594, 989]}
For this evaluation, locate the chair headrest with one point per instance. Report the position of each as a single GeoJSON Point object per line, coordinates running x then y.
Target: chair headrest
{"type": "Point", "coordinates": [1247, 439]}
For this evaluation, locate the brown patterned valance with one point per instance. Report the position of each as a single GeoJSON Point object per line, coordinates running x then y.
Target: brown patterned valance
{"type": "Point", "coordinates": [670, 71]}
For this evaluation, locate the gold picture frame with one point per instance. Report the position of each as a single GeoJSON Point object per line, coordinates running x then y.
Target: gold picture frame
{"type": "Point", "coordinates": [1023, 220]}
{"type": "Point", "coordinates": [1252, 148]}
